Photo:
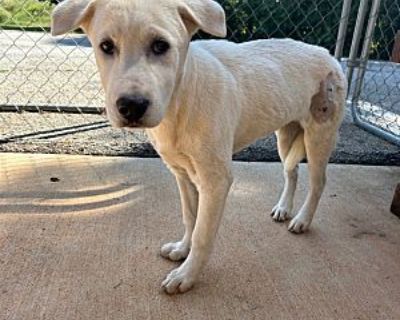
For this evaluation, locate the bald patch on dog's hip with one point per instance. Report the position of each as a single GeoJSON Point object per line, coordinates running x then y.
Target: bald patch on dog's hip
{"type": "Point", "coordinates": [323, 102]}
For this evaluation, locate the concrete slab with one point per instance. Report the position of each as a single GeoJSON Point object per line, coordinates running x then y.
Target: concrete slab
{"type": "Point", "coordinates": [80, 236]}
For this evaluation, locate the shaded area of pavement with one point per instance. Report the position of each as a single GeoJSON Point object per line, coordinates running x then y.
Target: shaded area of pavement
{"type": "Point", "coordinates": [75, 41]}
{"type": "Point", "coordinates": [80, 236]}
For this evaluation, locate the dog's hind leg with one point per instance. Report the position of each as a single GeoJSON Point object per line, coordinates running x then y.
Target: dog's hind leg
{"type": "Point", "coordinates": [319, 139]}
{"type": "Point", "coordinates": [290, 146]}
{"type": "Point", "coordinates": [319, 145]}
{"type": "Point", "coordinates": [189, 201]}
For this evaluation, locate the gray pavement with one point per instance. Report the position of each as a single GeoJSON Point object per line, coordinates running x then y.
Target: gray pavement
{"type": "Point", "coordinates": [80, 239]}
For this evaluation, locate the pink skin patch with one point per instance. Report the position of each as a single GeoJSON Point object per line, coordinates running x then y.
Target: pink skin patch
{"type": "Point", "coordinates": [323, 103]}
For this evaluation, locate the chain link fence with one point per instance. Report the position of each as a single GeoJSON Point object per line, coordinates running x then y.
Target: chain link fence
{"type": "Point", "coordinates": [50, 86]}
{"type": "Point", "coordinates": [375, 94]}
{"type": "Point", "coordinates": [47, 85]}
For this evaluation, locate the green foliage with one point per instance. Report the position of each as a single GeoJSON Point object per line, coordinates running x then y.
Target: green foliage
{"type": "Point", "coordinates": [25, 13]}
{"type": "Point", "coordinates": [9, 5]}
{"type": "Point", "coordinates": [308, 20]}
{"type": "Point", "coordinates": [313, 21]}
{"type": "Point", "coordinates": [4, 15]}
{"type": "Point", "coordinates": [386, 27]}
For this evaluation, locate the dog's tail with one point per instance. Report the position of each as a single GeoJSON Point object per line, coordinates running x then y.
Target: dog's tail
{"type": "Point", "coordinates": [296, 153]}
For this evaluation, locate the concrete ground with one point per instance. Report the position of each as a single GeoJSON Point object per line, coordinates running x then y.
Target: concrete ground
{"type": "Point", "coordinates": [80, 236]}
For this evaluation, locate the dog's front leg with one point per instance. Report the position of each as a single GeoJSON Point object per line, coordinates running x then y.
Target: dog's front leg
{"type": "Point", "coordinates": [189, 200]}
{"type": "Point", "coordinates": [213, 189]}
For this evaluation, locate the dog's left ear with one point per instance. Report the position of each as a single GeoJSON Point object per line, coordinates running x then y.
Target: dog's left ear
{"type": "Point", "coordinates": [206, 15]}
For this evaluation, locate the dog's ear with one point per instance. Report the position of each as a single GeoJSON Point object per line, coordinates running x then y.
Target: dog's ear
{"type": "Point", "coordinates": [206, 15]}
{"type": "Point", "coordinates": [70, 14]}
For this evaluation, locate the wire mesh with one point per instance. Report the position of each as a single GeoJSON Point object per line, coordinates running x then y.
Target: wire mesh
{"type": "Point", "coordinates": [378, 102]}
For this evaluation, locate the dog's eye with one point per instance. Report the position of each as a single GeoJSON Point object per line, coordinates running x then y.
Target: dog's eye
{"type": "Point", "coordinates": [107, 46]}
{"type": "Point", "coordinates": [159, 47]}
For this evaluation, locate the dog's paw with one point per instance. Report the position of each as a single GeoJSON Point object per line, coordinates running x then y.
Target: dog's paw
{"type": "Point", "coordinates": [299, 223]}
{"type": "Point", "coordinates": [178, 280]}
{"type": "Point", "coordinates": [280, 213]}
{"type": "Point", "coordinates": [175, 251]}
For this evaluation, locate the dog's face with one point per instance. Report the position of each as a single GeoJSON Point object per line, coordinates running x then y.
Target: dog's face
{"type": "Point", "coordinates": [140, 48]}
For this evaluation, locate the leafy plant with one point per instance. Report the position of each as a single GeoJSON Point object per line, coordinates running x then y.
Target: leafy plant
{"type": "Point", "coordinates": [25, 13]}
{"type": "Point", "coordinates": [4, 15]}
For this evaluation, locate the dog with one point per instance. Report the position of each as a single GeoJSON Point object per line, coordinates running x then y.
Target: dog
{"type": "Point", "coordinates": [202, 101]}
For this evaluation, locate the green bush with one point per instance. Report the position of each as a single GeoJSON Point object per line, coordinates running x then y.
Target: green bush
{"type": "Point", "coordinates": [313, 21]}
{"type": "Point", "coordinates": [27, 13]}
{"type": "Point", "coordinates": [4, 15]}
{"type": "Point", "coordinates": [9, 5]}
{"type": "Point", "coordinates": [36, 8]}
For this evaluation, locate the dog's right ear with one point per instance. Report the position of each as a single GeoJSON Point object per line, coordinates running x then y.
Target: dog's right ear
{"type": "Point", "coordinates": [207, 15]}
{"type": "Point", "coordinates": [70, 14]}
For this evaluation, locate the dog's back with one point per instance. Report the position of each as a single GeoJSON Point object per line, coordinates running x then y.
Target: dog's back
{"type": "Point", "coordinates": [275, 81]}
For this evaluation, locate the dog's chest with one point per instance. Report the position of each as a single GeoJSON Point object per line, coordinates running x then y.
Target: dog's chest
{"type": "Point", "coordinates": [179, 163]}
{"type": "Point", "coordinates": [176, 153]}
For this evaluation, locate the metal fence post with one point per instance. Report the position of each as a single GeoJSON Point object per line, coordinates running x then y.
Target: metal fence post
{"type": "Point", "coordinates": [362, 11]}
{"type": "Point", "coordinates": [344, 20]}
{"type": "Point", "coordinates": [365, 50]}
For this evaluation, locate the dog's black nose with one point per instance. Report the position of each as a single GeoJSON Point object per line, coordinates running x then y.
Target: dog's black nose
{"type": "Point", "coordinates": [132, 107]}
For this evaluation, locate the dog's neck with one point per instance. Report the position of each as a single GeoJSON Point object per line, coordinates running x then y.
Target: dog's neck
{"type": "Point", "coordinates": [177, 115]}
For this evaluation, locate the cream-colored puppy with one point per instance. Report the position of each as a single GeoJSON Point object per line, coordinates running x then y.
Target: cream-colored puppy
{"type": "Point", "coordinates": [202, 101]}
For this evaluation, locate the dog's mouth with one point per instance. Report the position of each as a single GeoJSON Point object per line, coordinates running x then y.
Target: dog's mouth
{"type": "Point", "coordinates": [139, 125]}
{"type": "Point", "coordinates": [143, 123]}
{"type": "Point", "coordinates": [119, 122]}
{"type": "Point", "coordinates": [134, 125]}
{"type": "Point", "coordinates": [126, 125]}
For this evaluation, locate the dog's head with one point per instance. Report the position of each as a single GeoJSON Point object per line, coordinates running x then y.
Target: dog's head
{"type": "Point", "coordinates": [140, 48]}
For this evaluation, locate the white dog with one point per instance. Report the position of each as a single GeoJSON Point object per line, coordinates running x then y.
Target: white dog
{"type": "Point", "coordinates": [202, 101]}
